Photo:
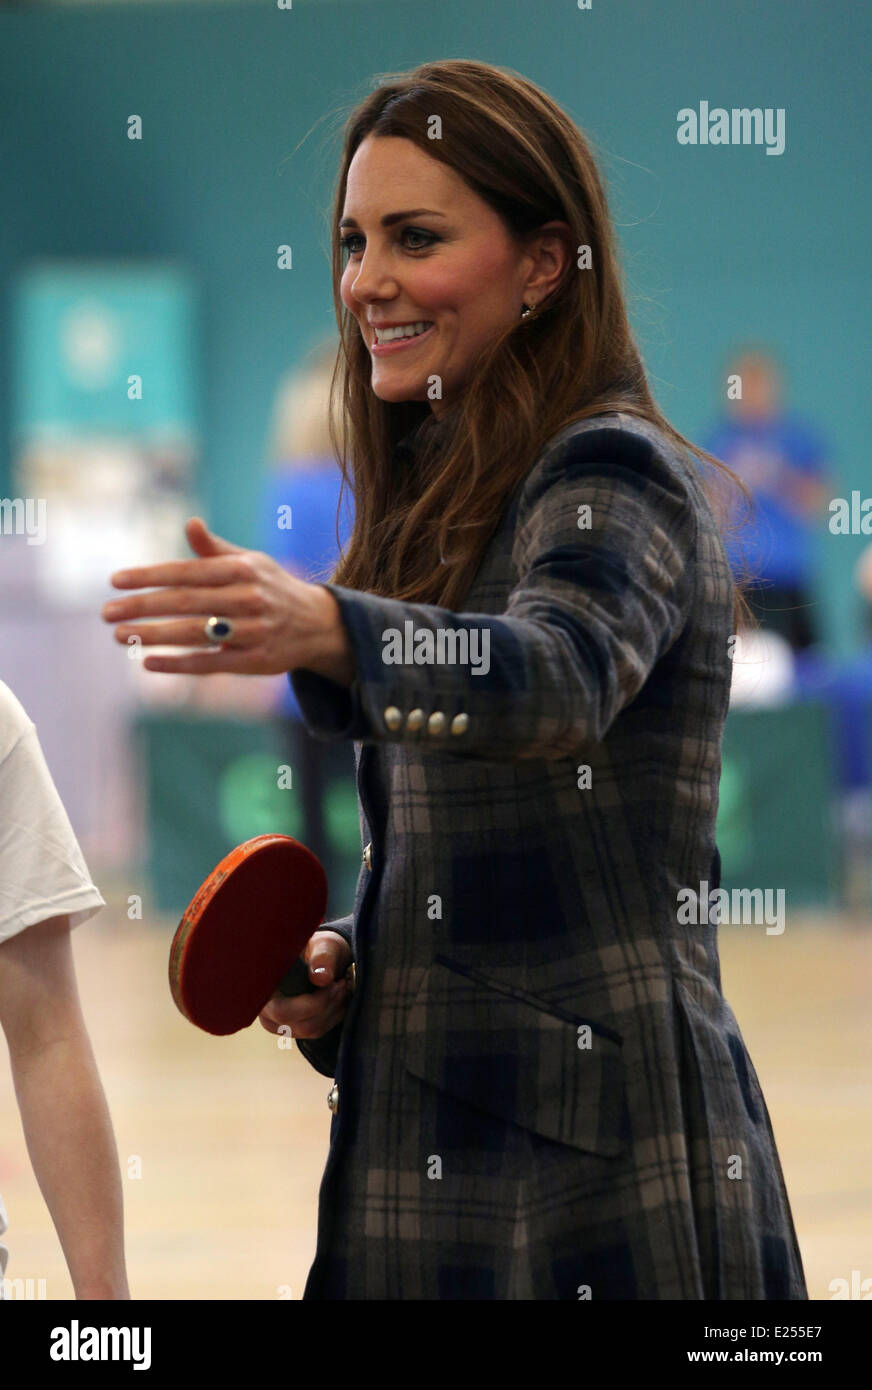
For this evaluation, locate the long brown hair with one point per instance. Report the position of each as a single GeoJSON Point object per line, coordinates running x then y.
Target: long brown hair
{"type": "Point", "coordinates": [572, 357]}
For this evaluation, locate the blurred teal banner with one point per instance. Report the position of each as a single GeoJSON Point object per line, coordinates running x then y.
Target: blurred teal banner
{"type": "Point", "coordinates": [105, 349]}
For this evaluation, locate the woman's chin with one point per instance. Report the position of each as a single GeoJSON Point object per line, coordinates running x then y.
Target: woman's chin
{"type": "Point", "coordinates": [392, 392]}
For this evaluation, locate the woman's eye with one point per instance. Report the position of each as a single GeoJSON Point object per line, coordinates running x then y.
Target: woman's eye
{"type": "Point", "coordinates": [421, 239]}
{"type": "Point", "coordinates": [429, 237]}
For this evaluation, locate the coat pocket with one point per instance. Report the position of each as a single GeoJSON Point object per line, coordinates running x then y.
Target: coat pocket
{"type": "Point", "coordinates": [518, 1057]}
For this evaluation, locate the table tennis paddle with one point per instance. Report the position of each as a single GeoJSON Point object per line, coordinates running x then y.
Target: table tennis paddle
{"type": "Point", "coordinates": [244, 931]}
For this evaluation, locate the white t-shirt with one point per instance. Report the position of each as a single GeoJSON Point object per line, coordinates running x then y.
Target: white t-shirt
{"type": "Point", "coordinates": [42, 871]}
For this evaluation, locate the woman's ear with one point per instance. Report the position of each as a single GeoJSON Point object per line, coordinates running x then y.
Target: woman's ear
{"type": "Point", "coordinates": [552, 249]}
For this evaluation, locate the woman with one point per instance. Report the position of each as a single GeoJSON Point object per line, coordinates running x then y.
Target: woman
{"type": "Point", "coordinates": [539, 1089]}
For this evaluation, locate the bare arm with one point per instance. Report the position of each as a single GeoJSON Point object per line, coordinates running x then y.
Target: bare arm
{"type": "Point", "coordinates": [63, 1108]}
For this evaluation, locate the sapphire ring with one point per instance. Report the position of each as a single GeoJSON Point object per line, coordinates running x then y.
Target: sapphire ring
{"type": "Point", "coordinates": [218, 629]}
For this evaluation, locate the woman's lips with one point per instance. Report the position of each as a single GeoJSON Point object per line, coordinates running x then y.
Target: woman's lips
{"type": "Point", "coordinates": [399, 344]}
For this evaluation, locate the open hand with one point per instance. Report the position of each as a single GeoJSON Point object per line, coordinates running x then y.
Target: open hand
{"type": "Point", "coordinates": [279, 622]}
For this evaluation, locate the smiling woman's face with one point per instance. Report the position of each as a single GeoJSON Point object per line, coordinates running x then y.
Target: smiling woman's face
{"type": "Point", "coordinates": [447, 262]}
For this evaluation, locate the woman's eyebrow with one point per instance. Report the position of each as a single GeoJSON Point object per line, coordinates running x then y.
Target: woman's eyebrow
{"type": "Point", "coordinates": [391, 217]}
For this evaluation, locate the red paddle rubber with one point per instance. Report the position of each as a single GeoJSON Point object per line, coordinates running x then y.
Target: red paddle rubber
{"type": "Point", "coordinates": [244, 932]}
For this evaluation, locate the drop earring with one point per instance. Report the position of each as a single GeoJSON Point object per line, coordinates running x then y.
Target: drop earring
{"type": "Point", "coordinates": [527, 310]}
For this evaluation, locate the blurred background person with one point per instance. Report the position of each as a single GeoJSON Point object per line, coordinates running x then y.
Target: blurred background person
{"type": "Point", "coordinates": [863, 581]}
{"type": "Point", "coordinates": [298, 527]}
{"type": "Point", "coordinates": [782, 460]}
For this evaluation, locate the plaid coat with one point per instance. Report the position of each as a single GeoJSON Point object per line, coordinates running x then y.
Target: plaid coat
{"type": "Point", "coordinates": [542, 1092]}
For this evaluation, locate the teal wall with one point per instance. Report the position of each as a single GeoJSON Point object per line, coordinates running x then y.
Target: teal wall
{"type": "Point", "coordinates": [720, 243]}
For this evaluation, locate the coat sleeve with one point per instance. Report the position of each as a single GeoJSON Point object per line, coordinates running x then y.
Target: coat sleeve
{"type": "Point", "coordinates": [322, 1053]}
{"type": "Point", "coordinates": [604, 548]}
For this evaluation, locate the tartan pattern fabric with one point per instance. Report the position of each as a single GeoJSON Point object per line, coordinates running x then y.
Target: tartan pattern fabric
{"type": "Point", "coordinates": [543, 1093]}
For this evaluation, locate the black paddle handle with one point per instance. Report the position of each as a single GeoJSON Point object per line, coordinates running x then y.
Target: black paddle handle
{"type": "Point", "coordinates": [297, 980]}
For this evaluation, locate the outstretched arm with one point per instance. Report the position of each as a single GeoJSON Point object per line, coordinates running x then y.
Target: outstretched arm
{"type": "Point", "coordinates": [604, 547]}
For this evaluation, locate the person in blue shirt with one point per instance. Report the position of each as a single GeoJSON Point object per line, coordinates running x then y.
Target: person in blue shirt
{"type": "Point", "coordinates": [300, 494]}
{"type": "Point", "coordinates": [781, 459]}
{"type": "Point", "coordinates": [298, 528]}
{"type": "Point", "coordinates": [306, 493]}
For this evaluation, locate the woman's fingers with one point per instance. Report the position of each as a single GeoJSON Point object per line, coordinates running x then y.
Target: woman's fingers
{"type": "Point", "coordinates": [212, 569]}
{"type": "Point", "coordinates": [323, 1024]}
{"type": "Point", "coordinates": [223, 661]}
{"type": "Point", "coordinates": [307, 1015]}
{"type": "Point", "coordinates": [279, 614]}
{"type": "Point", "coordinates": [189, 633]}
{"type": "Point", "coordinates": [231, 601]}
{"type": "Point", "coordinates": [328, 956]}
{"type": "Point", "coordinates": [206, 542]}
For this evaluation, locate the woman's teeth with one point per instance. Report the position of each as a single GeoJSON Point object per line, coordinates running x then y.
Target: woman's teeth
{"type": "Point", "coordinates": [403, 330]}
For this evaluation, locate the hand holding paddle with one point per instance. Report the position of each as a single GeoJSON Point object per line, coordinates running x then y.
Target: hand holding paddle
{"type": "Point", "coordinates": [245, 937]}
{"type": "Point", "coordinates": [311, 1015]}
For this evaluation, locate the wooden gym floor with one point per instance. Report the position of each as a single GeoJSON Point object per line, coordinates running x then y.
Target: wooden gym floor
{"type": "Point", "coordinates": [231, 1133]}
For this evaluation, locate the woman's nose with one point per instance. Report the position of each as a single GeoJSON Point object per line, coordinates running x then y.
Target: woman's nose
{"type": "Point", "coordinates": [373, 280]}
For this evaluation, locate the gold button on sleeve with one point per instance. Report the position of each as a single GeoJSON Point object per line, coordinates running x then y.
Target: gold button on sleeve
{"type": "Point", "coordinates": [393, 718]}
{"type": "Point", "coordinates": [460, 724]}
{"type": "Point", "coordinates": [436, 723]}
{"type": "Point", "coordinates": [415, 720]}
